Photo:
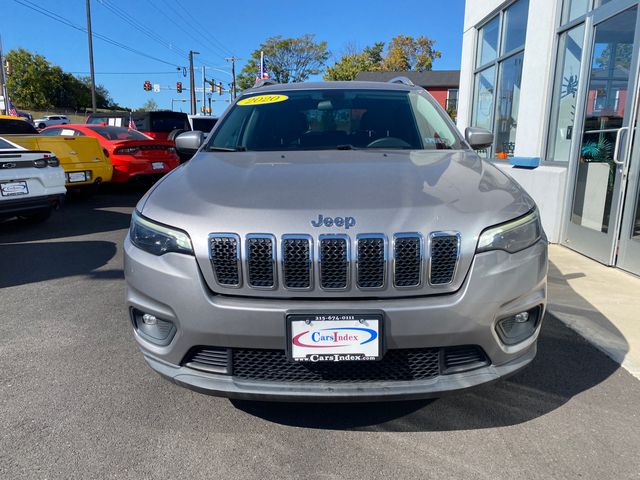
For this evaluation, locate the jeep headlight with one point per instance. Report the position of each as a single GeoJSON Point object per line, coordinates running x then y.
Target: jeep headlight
{"type": "Point", "coordinates": [158, 239]}
{"type": "Point", "coordinates": [512, 236]}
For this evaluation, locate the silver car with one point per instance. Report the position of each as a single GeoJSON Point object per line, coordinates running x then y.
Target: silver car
{"type": "Point", "coordinates": [336, 241]}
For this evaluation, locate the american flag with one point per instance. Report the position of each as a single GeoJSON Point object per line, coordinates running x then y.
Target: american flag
{"type": "Point", "coordinates": [132, 124]}
{"type": "Point", "coordinates": [11, 110]}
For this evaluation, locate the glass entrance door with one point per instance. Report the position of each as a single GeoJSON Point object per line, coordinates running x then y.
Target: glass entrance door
{"type": "Point", "coordinates": [629, 248]}
{"type": "Point", "coordinates": [603, 148]}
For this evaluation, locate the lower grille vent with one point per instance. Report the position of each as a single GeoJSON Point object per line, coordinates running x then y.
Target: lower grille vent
{"type": "Point", "coordinates": [463, 358]}
{"type": "Point", "coordinates": [208, 359]}
{"type": "Point", "coordinates": [396, 365]}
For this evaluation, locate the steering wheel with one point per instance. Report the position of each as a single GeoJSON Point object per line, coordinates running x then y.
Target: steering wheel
{"type": "Point", "coordinates": [389, 142]}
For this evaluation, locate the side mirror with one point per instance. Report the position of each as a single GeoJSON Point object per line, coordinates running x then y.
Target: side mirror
{"type": "Point", "coordinates": [188, 143]}
{"type": "Point", "coordinates": [478, 138]}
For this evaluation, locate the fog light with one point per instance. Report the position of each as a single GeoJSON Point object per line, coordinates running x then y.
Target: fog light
{"type": "Point", "coordinates": [516, 328]}
{"type": "Point", "coordinates": [152, 328]}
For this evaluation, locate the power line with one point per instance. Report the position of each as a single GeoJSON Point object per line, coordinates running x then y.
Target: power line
{"type": "Point", "coordinates": [178, 25]}
{"type": "Point", "coordinates": [104, 38]}
{"type": "Point", "coordinates": [142, 29]}
{"type": "Point", "coordinates": [207, 34]}
{"type": "Point", "coordinates": [127, 73]}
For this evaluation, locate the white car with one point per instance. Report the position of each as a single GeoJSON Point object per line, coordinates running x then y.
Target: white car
{"type": "Point", "coordinates": [31, 183]}
{"type": "Point", "coordinates": [50, 120]}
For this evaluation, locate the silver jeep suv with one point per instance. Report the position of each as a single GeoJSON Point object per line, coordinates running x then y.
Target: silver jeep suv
{"type": "Point", "coordinates": [336, 242]}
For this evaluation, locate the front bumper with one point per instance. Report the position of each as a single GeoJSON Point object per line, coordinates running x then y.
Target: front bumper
{"type": "Point", "coordinates": [498, 284]}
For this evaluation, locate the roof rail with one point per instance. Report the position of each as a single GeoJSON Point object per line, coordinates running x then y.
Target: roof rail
{"type": "Point", "coordinates": [263, 82]}
{"type": "Point", "coordinates": [402, 80]}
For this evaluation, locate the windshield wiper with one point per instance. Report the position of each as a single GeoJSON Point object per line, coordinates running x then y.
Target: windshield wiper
{"type": "Point", "coordinates": [226, 149]}
{"type": "Point", "coordinates": [346, 146]}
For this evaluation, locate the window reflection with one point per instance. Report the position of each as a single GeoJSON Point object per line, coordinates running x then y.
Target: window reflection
{"type": "Point", "coordinates": [563, 108]}
{"type": "Point", "coordinates": [515, 26]}
{"type": "Point", "coordinates": [488, 42]}
{"type": "Point", "coordinates": [508, 102]}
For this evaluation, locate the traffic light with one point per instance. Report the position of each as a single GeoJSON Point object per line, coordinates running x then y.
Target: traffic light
{"type": "Point", "coordinates": [212, 85]}
{"type": "Point", "coordinates": [147, 86]}
{"type": "Point", "coordinates": [220, 88]}
{"type": "Point", "coordinates": [179, 87]}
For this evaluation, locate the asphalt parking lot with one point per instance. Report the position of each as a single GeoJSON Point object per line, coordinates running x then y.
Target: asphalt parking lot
{"type": "Point", "coordinates": [77, 400]}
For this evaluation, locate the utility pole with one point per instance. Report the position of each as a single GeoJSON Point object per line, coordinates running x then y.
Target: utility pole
{"type": "Point", "coordinates": [192, 82]}
{"type": "Point", "coordinates": [93, 76]}
{"type": "Point", "coordinates": [204, 90]}
{"type": "Point", "coordinates": [233, 75]}
{"type": "Point", "coordinates": [3, 81]}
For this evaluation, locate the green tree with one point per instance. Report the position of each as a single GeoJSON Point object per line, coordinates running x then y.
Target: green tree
{"type": "Point", "coordinates": [148, 106]}
{"type": "Point", "coordinates": [287, 60]}
{"type": "Point", "coordinates": [408, 53]}
{"type": "Point", "coordinates": [33, 82]}
{"type": "Point", "coordinates": [354, 62]}
{"type": "Point", "coordinates": [404, 53]}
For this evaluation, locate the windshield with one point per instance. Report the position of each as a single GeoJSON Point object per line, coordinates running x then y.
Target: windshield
{"type": "Point", "coordinates": [117, 133]}
{"type": "Point", "coordinates": [204, 124]}
{"type": "Point", "coordinates": [16, 127]}
{"type": "Point", "coordinates": [169, 122]}
{"type": "Point", "coordinates": [334, 119]}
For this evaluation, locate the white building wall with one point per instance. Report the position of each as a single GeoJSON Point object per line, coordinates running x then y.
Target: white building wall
{"type": "Point", "coordinates": [545, 184]}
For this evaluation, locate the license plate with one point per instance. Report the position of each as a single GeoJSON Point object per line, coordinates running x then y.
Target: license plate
{"type": "Point", "coordinates": [334, 337]}
{"type": "Point", "coordinates": [77, 177]}
{"type": "Point", "coordinates": [157, 165]}
{"type": "Point", "coordinates": [13, 189]}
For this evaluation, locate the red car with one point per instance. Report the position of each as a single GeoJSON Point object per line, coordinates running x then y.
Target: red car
{"type": "Point", "coordinates": [133, 154]}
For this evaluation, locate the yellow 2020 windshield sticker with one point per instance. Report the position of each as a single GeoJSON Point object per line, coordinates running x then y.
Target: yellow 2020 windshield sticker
{"type": "Point", "coordinates": [262, 100]}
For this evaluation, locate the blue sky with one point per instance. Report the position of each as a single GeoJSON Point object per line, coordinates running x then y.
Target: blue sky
{"type": "Point", "coordinates": [216, 29]}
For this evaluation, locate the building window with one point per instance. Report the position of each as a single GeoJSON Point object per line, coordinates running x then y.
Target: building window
{"type": "Point", "coordinates": [565, 94]}
{"type": "Point", "coordinates": [452, 99]}
{"type": "Point", "coordinates": [499, 64]}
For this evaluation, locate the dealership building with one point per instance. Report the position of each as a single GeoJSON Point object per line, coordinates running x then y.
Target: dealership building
{"type": "Point", "coordinates": [557, 82]}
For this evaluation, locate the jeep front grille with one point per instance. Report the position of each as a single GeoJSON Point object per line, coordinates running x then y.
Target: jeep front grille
{"type": "Point", "coordinates": [334, 262]}
{"type": "Point", "coordinates": [374, 262]}
{"type": "Point", "coordinates": [224, 251]}
{"type": "Point", "coordinates": [408, 253]}
{"type": "Point", "coordinates": [297, 260]}
{"type": "Point", "coordinates": [445, 249]}
{"type": "Point", "coordinates": [261, 261]}
{"type": "Point", "coordinates": [371, 258]}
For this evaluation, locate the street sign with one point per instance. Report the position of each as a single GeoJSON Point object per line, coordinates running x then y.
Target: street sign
{"type": "Point", "coordinates": [156, 87]}
{"type": "Point", "coordinates": [200, 89]}
{"type": "Point", "coordinates": [1, 102]}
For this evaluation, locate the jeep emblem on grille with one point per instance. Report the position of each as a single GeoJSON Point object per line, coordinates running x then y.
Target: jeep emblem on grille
{"type": "Point", "coordinates": [346, 222]}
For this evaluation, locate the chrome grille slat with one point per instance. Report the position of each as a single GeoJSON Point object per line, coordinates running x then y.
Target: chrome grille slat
{"type": "Point", "coordinates": [224, 253]}
{"type": "Point", "coordinates": [371, 261]}
{"type": "Point", "coordinates": [261, 261]}
{"type": "Point", "coordinates": [443, 257]}
{"type": "Point", "coordinates": [333, 259]}
{"type": "Point", "coordinates": [297, 262]}
{"type": "Point", "coordinates": [408, 254]}
{"type": "Point", "coordinates": [414, 262]}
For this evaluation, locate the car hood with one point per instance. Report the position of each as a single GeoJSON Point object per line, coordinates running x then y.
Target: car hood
{"type": "Point", "coordinates": [384, 191]}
